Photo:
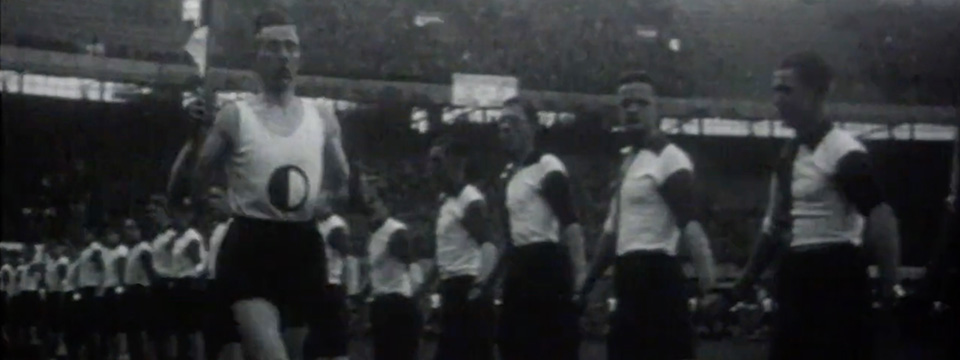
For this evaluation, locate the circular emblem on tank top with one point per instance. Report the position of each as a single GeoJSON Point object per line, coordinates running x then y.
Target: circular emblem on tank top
{"type": "Point", "coordinates": [288, 188]}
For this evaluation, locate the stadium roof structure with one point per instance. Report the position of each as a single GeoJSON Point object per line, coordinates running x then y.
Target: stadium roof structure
{"type": "Point", "coordinates": [366, 91]}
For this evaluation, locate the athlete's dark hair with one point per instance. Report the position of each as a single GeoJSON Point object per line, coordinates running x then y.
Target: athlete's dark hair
{"type": "Point", "coordinates": [529, 111]}
{"type": "Point", "coordinates": [453, 145]}
{"type": "Point", "coordinates": [812, 70]}
{"type": "Point", "coordinates": [457, 145]}
{"type": "Point", "coordinates": [634, 77]}
{"type": "Point", "coordinates": [273, 16]}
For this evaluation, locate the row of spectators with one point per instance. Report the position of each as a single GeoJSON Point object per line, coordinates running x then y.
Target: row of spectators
{"type": "Point", "coordinates": [577, 46]}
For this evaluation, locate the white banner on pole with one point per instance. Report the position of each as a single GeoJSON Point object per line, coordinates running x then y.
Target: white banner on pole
{"type": "Point", "coordinates": [483, 90]}
{"type": "Point", "coordinates": [196, 46]}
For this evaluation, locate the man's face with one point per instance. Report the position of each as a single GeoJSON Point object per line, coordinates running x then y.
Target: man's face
{"type": "Point", "coordinates": [217, 201]}
{"type": "Point", "coordinates": [112, 238]}
{"type": "Point", "coordinates": [637, 107]}
{"type": "Point", "coordinates": [278, 57]}
{"type": "Point", "coordinates": [795, 101]}
{"type": "Point", "coordinates": [131, 231]}
{"type": "Point", "coordinates": [435, 165]}
{"type": "Point", "coordinates": [516, 131]}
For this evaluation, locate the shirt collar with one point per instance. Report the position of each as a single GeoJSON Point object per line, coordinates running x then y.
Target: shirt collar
{"type": "Point", "coordinates": [379, 224]}
{"type": "Point", "coordinates": [533, 158]}
{"type": "Point", "coordinates": [655, 143]}
{"type": "Point", "coordinates": [813, 138]}
{"type": "Point", "coordinates": [453, 191]}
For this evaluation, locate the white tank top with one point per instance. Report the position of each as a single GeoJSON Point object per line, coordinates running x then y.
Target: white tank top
{"type": "Point", "coordinates": [29, 280]}
{"type": "Point", "coordinates": [183, 266]}
{"type": "Point", "coordinates": [334, 258]}
{"type": "Point", "coordinates": [111, 258]}
{"type": "Point", "coordinates": [273, 177]}
{"type": "Point", "coordinates": [457, 253]}
{"type": "Point", "coordinates": [387, 274]}
{"type": "Point", "coordinates": [216, 239]}
{"type": "Point", "coordinates": [70, 282]}
{"type": "Point", "coordinates": [88, 275]}
{"type": "Point", "coordinates": [163, 254]}
{"type": "Point", "coordinates": [136, 271]}
{"type": "Point", "coordinates": [7, 275]}
{"type": "Point", "coordinates": [531, 219]}
{"type": "Point", "coordinates": [53, 279]}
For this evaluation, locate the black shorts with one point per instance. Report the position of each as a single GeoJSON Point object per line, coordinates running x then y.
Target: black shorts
{"type": "Point", "coordinates": [84, 314]}
{"type": "Point", "coordinates": [111, 301]}
{"type": "Point", "coordinates": [396, 325]}
{"type": "Point", "coordinates": [163, 318]}
{"type": "Point", "coordinates": [220, 327]}
{"type": "Point", "coordinates": [136, 309]}
{"type": "Point", "coordinates": [824, 304]}
{"type": "Point", "coordinates": [329, 332]}
{"type": "Point", "coordinates": [652, 319]}
{"type": "Point", "coordinates": [29, 308]}
{"type": "Point", "coordinates": [188, 301]}
{"type": "Point", "coordinates": [281, 262]}
{"type": "Point", "coordinates": [53, 311]}
{"type": "Point", "coordinates": [538, 317]}
{"type": "Point", "coordinates": [467, 326]}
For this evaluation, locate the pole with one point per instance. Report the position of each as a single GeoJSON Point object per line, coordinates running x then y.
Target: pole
{"type": "Point", "coordinates": [955, 171]}
{"type": "Point", "coordinates": [208, 93]}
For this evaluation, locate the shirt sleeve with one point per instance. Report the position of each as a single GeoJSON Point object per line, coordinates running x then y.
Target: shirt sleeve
{"type": "Point", "coordinates": [676, 185]}
{"type": "Point", "coordinates": [399, 246]}
{"type": "Point", "coordinates": [469, 195]}
{"type": "Point", "coordinates": [855, 180]}
{"type": "Point", "coordinates": [338, 240]}
{"type": "Point", "coordinates": [611, 214]}
{"type": "Point", "coordinates": [555, 189]}
{"type": "Point", "coordinates": [767, 225]}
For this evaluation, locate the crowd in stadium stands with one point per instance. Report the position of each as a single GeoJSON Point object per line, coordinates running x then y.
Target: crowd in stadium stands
{"type": "Point", "coordinates": [578, 47]}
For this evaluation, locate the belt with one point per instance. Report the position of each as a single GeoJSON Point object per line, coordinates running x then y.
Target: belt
{"type": "Point", "coordinates": [820, 246]}
{"type": "Point", "coordinates": [642, 252]}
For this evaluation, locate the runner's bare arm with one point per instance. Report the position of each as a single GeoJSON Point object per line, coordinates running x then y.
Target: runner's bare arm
{"type": "Point", "coordinates": [216, 146]}
{"type": "Point", "coordinates": [336, 169]}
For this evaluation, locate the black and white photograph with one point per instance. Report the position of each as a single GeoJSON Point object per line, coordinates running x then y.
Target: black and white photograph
{"type": "Point", "coordinates": [480, 179]}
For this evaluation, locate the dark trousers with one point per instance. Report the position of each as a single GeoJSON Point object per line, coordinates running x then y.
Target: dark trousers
{"type": "Point", "coordinates": [824, 305]}
{"type": "Point", "coordinates": [396, 327]}
{"type": "Point", "coordinates": [467, 327]}
{"type": "Point", "coordinates": [538, 318]}
{"type": "Point", "coordinates": [652, 319]}
{"type": "Point", "coordinates": [220, 328]}
{"type": "Point", "coordinates": [136, 310]}
{"type": "Point", "coordinates": [85, 314]}
{"type": "Point", "coordinates": [329, 334]}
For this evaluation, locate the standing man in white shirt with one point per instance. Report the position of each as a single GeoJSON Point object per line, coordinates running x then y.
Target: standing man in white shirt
{"type": "Point", "coordinates": [652, 211]}
{"type": "Point", "coordinates": [7, 279]}
{"type": "Point", "coordinates": [57, 265]}
{"type": "Point", "coordinates": [164, 299]}
{"type": "Point", "coordinates": [112, 290]}
{"type": "Point", "coordinates": [464, 246]}
{"type": "Point", "coordinates": [280, 153]}
{"type": "Point", "coordinates": [221, 339]}
{"type": "Point", "coordinates": [138, 277]}
{"type": "Point", "coordinates": [395, 319]}
{"type": "Point", "coordinates": [88, 279]}
{"type": "Point", "coordinates": [826, 219]}
{"type": "Point", "coordinates": [188, 256]}
{"type": "Point", "coordinates": [329, 336]}
{"type": "Point", "coordinates": [544, 258]}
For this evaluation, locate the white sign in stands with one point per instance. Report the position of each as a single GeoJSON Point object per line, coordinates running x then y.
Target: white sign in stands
{"type": "Point", "coordinates": [483, 91]}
